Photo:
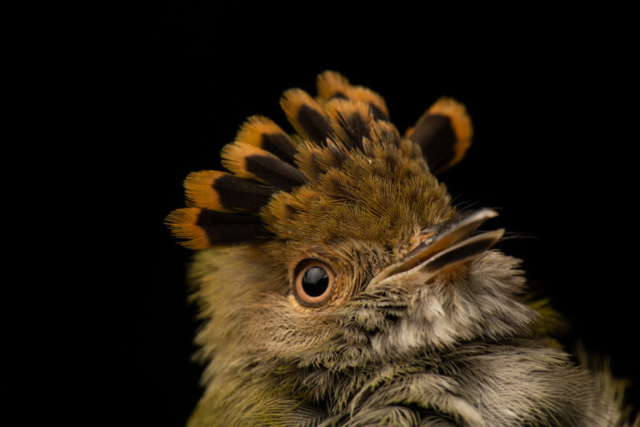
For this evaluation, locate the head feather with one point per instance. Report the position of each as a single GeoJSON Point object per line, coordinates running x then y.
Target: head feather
{"type": "Point", "coordinates": [347, 168]}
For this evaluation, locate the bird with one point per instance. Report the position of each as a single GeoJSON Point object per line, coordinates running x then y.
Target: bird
{"type": "Point", "coordinates": [339, 285]}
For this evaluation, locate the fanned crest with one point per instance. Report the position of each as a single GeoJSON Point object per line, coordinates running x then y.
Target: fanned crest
{"type": "Point", "coordinates": [229, 207]}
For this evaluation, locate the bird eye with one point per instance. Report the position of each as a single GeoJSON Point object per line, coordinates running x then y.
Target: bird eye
{"type": "Point", "coordinates": [313, 282]}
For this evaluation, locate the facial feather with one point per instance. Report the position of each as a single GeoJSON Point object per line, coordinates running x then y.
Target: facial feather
{"type": "Point", "coordinates": [348, 194]}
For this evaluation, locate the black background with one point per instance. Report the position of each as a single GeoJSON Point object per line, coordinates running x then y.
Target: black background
{"type": "Point", "coordinates": [548, 91]}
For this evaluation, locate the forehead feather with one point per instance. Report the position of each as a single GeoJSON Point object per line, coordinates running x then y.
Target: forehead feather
{"type": "Point", "coordinates": [378, 194]}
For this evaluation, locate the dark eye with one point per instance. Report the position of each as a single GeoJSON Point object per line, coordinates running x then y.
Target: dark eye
{"type": "Point", "coordinates": [313, 282]}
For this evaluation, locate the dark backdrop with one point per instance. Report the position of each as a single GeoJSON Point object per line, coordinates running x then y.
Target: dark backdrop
{"type": "Point", "coordinates": [547, 91]}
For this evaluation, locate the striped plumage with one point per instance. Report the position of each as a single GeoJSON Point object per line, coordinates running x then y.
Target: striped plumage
{"type": "Point", "coordinates": [339, 286]}
{"type": "Point", "coordinates": [262, 158]}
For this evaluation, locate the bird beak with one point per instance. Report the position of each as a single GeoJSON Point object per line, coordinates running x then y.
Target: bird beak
{"type": "Point", "coordinates": [443, 247]}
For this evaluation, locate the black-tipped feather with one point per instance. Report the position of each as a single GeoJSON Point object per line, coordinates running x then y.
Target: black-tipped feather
{"type": "Point", "coordinates": [223, 228]}
{"type": "Point", "coordinates": [306, 115]}
{"type": "Point", "coordinates": [279, 145]}
{"type": "Point", "coordinates": [248, 161]}
{"type": "Point", "coordinates": [377, 113]}
{"type": "Point", "coordinates": [203, 228]}
{"type": "Point", "coordinates": [315, 125]}
{"type": "Point", "coordinates": [237, 193]}
{"type": "Point", "coordinates": [274, 172]}
{"type": "Point", "coordinates": [226, 208]}
{"type": "Point", "coordinates": [224, 192]}
{"type": "Point", "coordinates": [263, 133]}
{"type": "Point", "coordinates": [351, 122]}
{"type": "Point", "coordinates": [435, 136]}
{"type": "Point", "coordinates": [443, 133]}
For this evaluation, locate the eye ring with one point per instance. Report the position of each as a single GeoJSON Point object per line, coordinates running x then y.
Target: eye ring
{"type": "Point", "coordinates": [313, 282]}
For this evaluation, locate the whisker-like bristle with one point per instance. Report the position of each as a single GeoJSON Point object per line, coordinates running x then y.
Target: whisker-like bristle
{"type": "Point", "coordinates": [305, 115]}
{"type": "Point", "coordinates": [203, 228]}
{"type": "Point", "coordinates": [248, 161]}
{"type": "Point", "coordinates": [263, 133]}
{"type": "Point", "coordinates": [224, 192]}
{"type": "Point", "coordinates": [444, 133]}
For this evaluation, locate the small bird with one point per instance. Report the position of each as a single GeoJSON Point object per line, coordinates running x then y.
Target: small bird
{"type": "Point", "coordinates": [338, 284]}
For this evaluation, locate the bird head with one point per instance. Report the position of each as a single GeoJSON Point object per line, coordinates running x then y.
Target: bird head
{"type": "Point", "coordinates": [330, 254]}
